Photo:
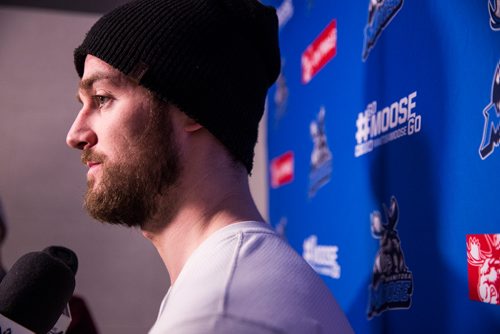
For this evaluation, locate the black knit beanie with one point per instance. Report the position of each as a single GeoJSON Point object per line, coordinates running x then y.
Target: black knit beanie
{"type": "Point", "coordinates": [214, 59]}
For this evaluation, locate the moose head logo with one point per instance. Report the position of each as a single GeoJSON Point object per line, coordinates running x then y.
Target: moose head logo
{"type": "Point", "coordinates": [392, 282]}
{"type": "Point", "coordinates": [483, 257]}
{"type": "Point", "coordinates": [494, 9]}
{"type": "Point", "coordinates": [380, 13]}
{"type": "Point", "coordinates": [491, 132]}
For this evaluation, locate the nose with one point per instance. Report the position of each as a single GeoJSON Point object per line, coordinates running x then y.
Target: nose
{"type": "Point", "coordinates": [81, 135]}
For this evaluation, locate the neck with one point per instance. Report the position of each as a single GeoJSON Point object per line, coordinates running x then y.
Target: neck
{"type": "Point", "coordinates": [213, 202]}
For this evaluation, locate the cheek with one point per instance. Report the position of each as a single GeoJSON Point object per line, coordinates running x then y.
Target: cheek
{"type": "Point", "coordinates": [118, 142]}
{"type": "Point", "coordinates": [135, 127]}
{"type": "Point", "coordinates": [128, 127]}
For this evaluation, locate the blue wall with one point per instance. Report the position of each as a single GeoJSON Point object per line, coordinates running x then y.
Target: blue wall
{"type": "Point", "coordinates": [429, 69]}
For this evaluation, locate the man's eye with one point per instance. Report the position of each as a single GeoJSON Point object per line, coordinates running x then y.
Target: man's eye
{"type": "Point", "coordinates": [101, 100]}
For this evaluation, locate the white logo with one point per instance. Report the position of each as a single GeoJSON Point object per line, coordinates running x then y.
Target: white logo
{"type": "Point", "coordinates": [376, 128]}
{"type": "Point", "coordinates": [323, 259]}
{"type": "Point", "coordinates": [284, 12]}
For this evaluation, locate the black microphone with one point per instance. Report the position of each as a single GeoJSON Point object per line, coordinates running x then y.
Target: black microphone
{"type": "Point", "coordinates": [37, 288]}
{"type": "Point", "coordinates": [66, 255]}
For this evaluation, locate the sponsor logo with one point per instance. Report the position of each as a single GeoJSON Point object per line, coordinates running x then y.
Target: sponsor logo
{"type": "Point", "coordinates": [319, 52]}
{"type": "Point", "coordinates": [483, 257]}
{"type": "Point", "coordinates": [494, 9]}
{"type": "Point", "coordinates": [392, 282]}
{"type": "Point", "coordinates": [323, 259]}
{"type": "Point", "coordinates": [282, 170]}
{"type": "Point", "coordinates": [321, 157]}
{"type": "Point", "coordinates": [491, 131]}
{"type": "Point", "coordinates": [281, 94]}
{"type": "Point", "coordinates": [377, 128]}
{"type": "Point", "coordinates": [380, 13]}
{"type": "Point", "coordinates": [284, 12]}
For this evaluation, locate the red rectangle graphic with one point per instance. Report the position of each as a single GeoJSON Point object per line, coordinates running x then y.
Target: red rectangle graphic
{"type": "Point", "coordinates": [282, 169]}
{"type": "Point", "coordinates": [319, 52]}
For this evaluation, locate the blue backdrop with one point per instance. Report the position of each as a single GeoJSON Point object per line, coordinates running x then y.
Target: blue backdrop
{"type": "Point", "coordinates": [383, 154]}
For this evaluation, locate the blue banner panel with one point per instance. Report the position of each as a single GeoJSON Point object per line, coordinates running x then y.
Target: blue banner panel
{"type": "Point", "coordinates": [384, 134]}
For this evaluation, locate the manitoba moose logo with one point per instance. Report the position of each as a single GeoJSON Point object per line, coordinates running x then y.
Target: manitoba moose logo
{"type": "Point", "coordinates": [321, 156]}
{"type": "Point", "coordinates": [380, 13]}
{"type": "Point", "coordinates": [392, 282]}
{"type": "Point", "coordinates": [494, 8]}
{"type": "Point", "coordinates": [491, 131]}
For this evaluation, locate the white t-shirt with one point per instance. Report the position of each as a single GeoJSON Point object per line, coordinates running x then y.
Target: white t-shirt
{"type": "Point", "coordinates": [245, 279]}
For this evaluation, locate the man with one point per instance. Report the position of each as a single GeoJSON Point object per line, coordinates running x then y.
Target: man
{"type": "Point", "coordinates": [172, 93]}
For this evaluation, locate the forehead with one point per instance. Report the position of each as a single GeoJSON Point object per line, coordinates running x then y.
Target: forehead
{"type": "Point", "coordinates": [96, 70]}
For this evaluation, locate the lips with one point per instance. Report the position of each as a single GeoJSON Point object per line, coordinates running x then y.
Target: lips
{"type": "Point", "coordinates": [94, 167]}
{"type": "Point", "coordinates": [91, 164]}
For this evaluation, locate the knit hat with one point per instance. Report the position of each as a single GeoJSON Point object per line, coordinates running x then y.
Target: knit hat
{"type": "Point", "coordinates": [214, 59]}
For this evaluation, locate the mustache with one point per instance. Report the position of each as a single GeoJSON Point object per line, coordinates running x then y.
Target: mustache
{"type": "Point", "coordinates": [88, 155]}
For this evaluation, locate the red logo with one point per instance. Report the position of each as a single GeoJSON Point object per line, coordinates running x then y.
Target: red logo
{"type": "Point", "coordinates": [282, 170]}
{"type": "Point", "coordinates": [320, 52]}
{"type": "Point", "coordinates": [483, 257]}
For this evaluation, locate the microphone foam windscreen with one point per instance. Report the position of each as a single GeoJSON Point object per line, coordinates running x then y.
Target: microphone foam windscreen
{"type": "Point", "coordinates": [65, 255]}
{"type": "Point", "coordinates": [35, 291]}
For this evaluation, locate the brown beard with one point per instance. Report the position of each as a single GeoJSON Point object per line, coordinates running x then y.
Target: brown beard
{"type": "Point", "coordinates": [129, 190]}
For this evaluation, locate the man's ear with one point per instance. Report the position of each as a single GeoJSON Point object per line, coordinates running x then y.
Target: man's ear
{"type": "Point", "coordinates": [191, 125]}
{"type": "Point", "coordinates": [185, 122]}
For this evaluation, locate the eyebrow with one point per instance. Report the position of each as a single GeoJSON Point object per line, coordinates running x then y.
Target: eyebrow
{"type": "Point", "coordinates": [87, 83]}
